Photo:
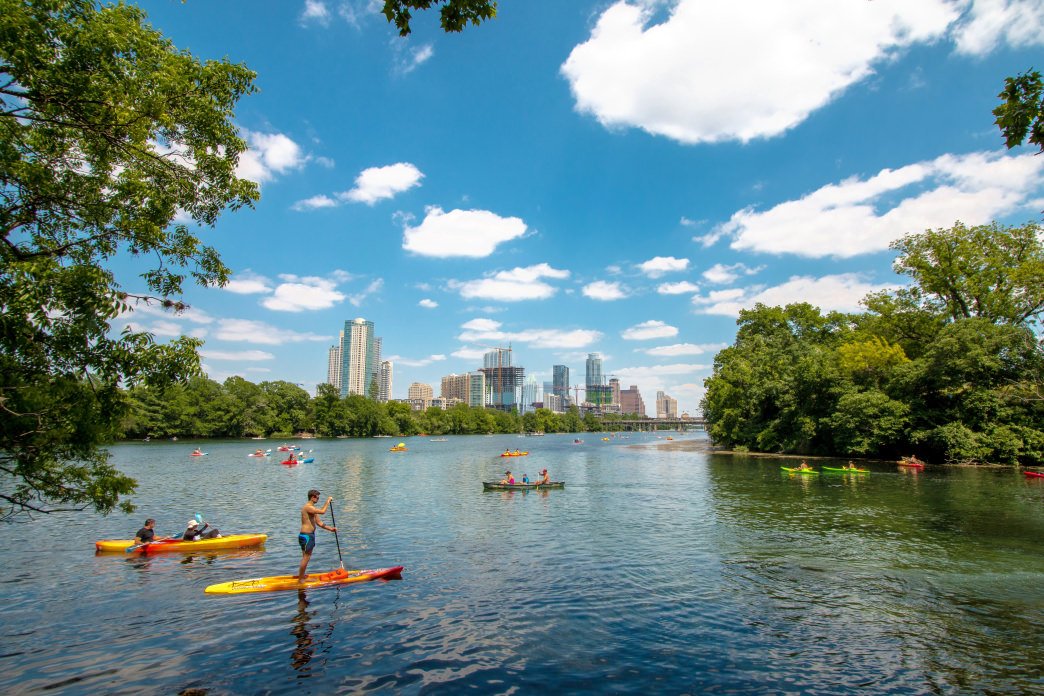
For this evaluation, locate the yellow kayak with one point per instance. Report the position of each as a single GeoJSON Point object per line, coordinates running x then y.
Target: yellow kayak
{"type": "Point", "coordinates": [275, 583]}
{"type": "Point", "coordinates": [232, 541]}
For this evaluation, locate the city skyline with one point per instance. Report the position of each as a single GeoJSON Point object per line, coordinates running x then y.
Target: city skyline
{"type": "Point", "coordinates": [618, 177]}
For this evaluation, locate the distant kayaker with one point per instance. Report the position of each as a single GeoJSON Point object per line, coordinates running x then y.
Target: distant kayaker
{"type": "Point", "coordinates": [147, 534]}
{"type": "Point", "coordinates": [546, 479]}
{"type": "Point", "coordinates": [195, 532]}
{"type": "Point", "coordinates": [525, 478]}
{"type": "Point", "coordinates": [851, 466]}
{"type": "Point", "coordinates": [309, 521]}
{"type": "Point", "coordinates": [804, 466]}
{"type": "Point", "coordinates": [508, 478]}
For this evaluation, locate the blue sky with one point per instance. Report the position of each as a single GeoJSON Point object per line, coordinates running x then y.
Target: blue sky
{"type": "Point", "coordinates": [575, 176]}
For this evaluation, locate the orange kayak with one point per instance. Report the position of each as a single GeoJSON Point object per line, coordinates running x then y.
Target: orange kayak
{"type": "Point", "coordinates": [275, 583]}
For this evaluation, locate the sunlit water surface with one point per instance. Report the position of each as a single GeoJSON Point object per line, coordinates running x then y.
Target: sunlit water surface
{"type": "Point", "coordinates": [653, 570]}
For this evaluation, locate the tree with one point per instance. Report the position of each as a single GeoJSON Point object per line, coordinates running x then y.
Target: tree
{"type": "Point", "coordinates": [1021, 114]}
{"type": "Point", "coordinates": [989, 271]}
{"type": "Point", "coordinates": [454, 14]}
{"type": "Point", "coordinates": [107, 132]}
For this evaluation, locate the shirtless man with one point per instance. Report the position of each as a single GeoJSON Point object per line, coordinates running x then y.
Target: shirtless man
{"type": "Point", "coordinates": [546, 479]}
{"type": "Point", "coordinates": [309, 521]}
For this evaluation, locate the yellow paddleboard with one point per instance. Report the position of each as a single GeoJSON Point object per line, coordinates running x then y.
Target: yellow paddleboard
{"type": "Point", "coordinates": [276, 583]}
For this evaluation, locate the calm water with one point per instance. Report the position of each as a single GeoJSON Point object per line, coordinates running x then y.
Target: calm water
{"type": "Point", "coordinates": [673, 571]}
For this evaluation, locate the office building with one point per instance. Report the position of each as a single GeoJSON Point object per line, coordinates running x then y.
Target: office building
{"type": "Point", "coordinates": [631, 401]}
{"type": "Point", "coordinates": [333, 366]}
{"type": "Point", "coordinates": [422, 393]}
{"type": "Point", "coordinates": [593, 393]}
{"type": "Point", "coordinates": [384, 382]}
{"type": "Point", "coordinates": [358, 358]}
{"type": "Point", "coordinates": [503, 380]}
{"type": "Point", "coordinates": [560, 382]}
{"type": "Point", "coordinates": [666, 407]}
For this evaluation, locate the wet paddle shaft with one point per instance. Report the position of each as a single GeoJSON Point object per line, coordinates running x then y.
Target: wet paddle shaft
{"type": "Point", "coordinates": [333, 518]}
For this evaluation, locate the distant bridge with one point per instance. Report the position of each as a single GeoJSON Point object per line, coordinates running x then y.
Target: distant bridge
{"type": "Point", "coordinates": [651, 424]}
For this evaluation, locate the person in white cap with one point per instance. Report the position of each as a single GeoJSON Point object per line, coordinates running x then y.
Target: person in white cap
{"type": "Point", "coordinates": [196, 531]}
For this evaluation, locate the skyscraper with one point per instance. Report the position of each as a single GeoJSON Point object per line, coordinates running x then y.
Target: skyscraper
{"type": "Point", "coordinates": [597, 392]}
{"type": "Point", "coordinates": [503, 380]}
{"type": "Point", "coordinates": [358, 365]}
{"type": "Point", "coordinates": [384, 380]}
{"type": "Point", "coordinates": [666, 407]}
{"type": "Point", "coordinates": [333, 365]}
{"type": "Point", "coordinates": [560, 382]}
{"type": "Point", "coordinates": [631, 401]}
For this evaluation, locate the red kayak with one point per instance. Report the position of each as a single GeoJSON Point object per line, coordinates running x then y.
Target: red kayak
{"type": "Point", "coordinates": [912, 465]}
{"type": "Point", "coordinates": [290, 462]}
{"type": "Point", "coordinates": [1034, 474]}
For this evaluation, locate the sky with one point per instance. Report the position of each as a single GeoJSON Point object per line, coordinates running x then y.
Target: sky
{"type": "Point", "coordinates": [581, 176]}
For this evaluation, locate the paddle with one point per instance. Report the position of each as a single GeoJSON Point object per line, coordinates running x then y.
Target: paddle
{"type": "Point", "coordinates": [333, 519]}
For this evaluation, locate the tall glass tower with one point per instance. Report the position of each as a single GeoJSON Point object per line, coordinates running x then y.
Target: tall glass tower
{"type": "Point", "coordinates": [593, 383]}
{"type": "Point", "coordinates": [358, 357]}
{"type": "Point", "coordinates": [560, 381]}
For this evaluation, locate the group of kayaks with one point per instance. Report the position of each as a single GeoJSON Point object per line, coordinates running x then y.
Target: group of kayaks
{"type": "Point", "coordinates": [828, 469]}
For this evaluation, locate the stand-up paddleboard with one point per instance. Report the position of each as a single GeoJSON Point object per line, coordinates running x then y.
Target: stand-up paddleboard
{"type": "Point", "coordinates": [276, 583]}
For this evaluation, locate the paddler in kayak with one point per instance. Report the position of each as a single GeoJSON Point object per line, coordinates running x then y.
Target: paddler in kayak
{"type": "Point", "coordinates": [804, 466]}
{"type": "Point", "coordinates": [546, 479]}
{"type": "Point", "coordinates": [147, 534]}
{"type": "Point", "coordinates": [309, 521]}
{"type": "Point", "coordinates": [508, 478]}
{"type": "Point", "coordinates": [195, 532]}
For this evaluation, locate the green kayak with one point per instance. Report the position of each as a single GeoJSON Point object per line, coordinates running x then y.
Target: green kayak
{"type": "Point", "coordinates": [846, 471]}
{"type": "Point", "coordinates": [795, 470]}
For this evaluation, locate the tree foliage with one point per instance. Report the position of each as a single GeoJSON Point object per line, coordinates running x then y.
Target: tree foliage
{"type": "Point", "coordinates": [454, 15]}
{"type": "Point", "coordinates": [1020, 115]}
{"type": "Point", "coordinates": [949, 366]}
{"type": "Point", "coordinates": [107, 132]}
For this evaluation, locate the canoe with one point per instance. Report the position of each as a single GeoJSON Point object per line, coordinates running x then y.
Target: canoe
{"type": "Point", "coordinates": [232, 541]}
{"type": "Point", "coordinates": [275, 583]}
{"type": "Point", "coordinates": [795, 470]}
{"type": "Point", "coordinates": [1033, 474]}
{"type": "Point", "coordinates": [497, 486]}
{"type": "Point", "coordinates": [514, 454]}
{"type": "Point", "coordinates": [846, 471]}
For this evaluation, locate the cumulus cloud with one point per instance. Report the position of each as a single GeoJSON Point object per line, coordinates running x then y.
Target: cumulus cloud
{"type": "Point", "coordinates": [988, 23]}
{"type": "Point", "coordinates": [661, 265]}
{"type": "Point", "coordinates": [247, 283]}
{"type": "Point", "coordinates": [512, 286]}
{"type": "Point", "coordinates": [243, 355]}
{"type": "Point", "coordinates": [840, 292]}
{"type": "Point", "coordinates": [785, 61]}
{"type": "Point", "coordinates": [378, 183]}
{"type": "Point", "coordinates": [315, 11]}
{"type": "Point", "coordinates": [720, 274]}
{"type": "Point", "coordinates": [250, 331]}
{"type": "Point", "coordinates": [428, 304]}
{"type": "Point", "coordinates": [603, 290]}
{"type": "Point", "coordinates": [679, 288]}
{"type": "Point", "coordinates": [648, 330]}
{"type": "Point", "coordinates": [471, 233]}
{"type": "Point", "coordinates": [315, 203]}
{"type": "Point", "coordinates": [298, 294]}
{"type": "Point", "coordinates": [356, 299]}
{"type": "Point", "coordinates": [684, 349]}
{"type": "Point", "coordinates": [861, 216]}
{"type": "Point", "coordinates": [267, 155]}
{"type": "Point", "coordinates": [416, 362]}
{"type": "Point", "coordinates": [488, 331]}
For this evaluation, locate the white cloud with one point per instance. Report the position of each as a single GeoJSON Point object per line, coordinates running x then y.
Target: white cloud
{"type": "Point", "coordinates": [720, 274]}
{"type": "Point", "coordinates": [378, 183]}
{"type": "Point", "coordinates": [428, 303]}
{"type": "Point", "coordinates": [603, 290]}
{"type": "Point", "coordinates": [243, 355]}
{"type": "Point", "coordinates": [466, 353]}
{"type": "Point", "coordinates": [987, 23]}
{"type": "Point", "coordinates": [661, 265]}
{"type": "Point", "coordinates": [861, 216]}
{"type": "Point", "coordinates": [315, 11]}
{"type": "Point", "coordinates": [679, 288]}
{"type": "Point", "coordinates": [488, 331]}
{"type": "Point", "coordinates": [409, 60]}
{"type": "Point", "coordinates": [154, 309]}
{"type": "Point", "coordinates": [472, 233]}
{"type": "Point", "coordinates": [247, 283]}
{"type": "Point", "coordinates": [298, 294]}
{"type": "Point", "coordinates": [785, 60]}
{"type": "Point", "coordinates": [315, 203]}
{"type": "Point", "coordinates": [375, 286]}
{"type": "Point", "coordinates": [684, 349]}
{"type": "Point", "coordinates": [268, 154]}
{"type": "Point", "coordinates": [833, 292]}
{"type": "Point", "coordinates": [416, 362]}
{"type": "Point", "coordinates": [250, 331]}
{"type": "Point", "coordinates": [512, 286]}
{"type": "Point", "coordinates": [649, 330]}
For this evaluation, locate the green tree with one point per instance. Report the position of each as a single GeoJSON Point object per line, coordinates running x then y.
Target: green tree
{"type": "Point", "coordinates": [454, 15]}
{"type": "Point", "coordinates": [1020, 115]}
{"type": "Point", "coordinates": [107, 131]}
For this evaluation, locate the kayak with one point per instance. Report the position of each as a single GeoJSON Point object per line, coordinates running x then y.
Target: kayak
{"type": "Point", "coordinates": [846, 471]}
{"type": "Point", "coordinates": [232, 541]}
{"type": "Point", "coordinates": [912, 465]}
{"type": "Point", "coordinates": [795, 470]}
{"type": "Point", "coordinates": [514, 454]}
{"type": "Point", "coordinates": [199, 454]}
{"type": "Point", "coordinates": [496, 486]}
{"type": "Point", "coordinates": [1033, 474]}
{"type": "Point", "coordinates": [275, 583]}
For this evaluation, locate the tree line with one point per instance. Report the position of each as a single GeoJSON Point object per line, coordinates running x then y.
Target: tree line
{"type": "Point", "coordinates": [203, 408]}
{"type": "Point", "coordinates": [950, 366]}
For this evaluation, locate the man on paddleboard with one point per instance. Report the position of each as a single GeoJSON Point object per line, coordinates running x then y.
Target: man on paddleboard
{"type": "Point", "coordinates": [309, 521]}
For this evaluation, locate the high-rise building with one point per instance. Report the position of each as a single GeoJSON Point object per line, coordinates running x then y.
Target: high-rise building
{"type": "Point", "coordinates": [376, 379]}
{"type": "Point", "coordinates": [476, 389]}
{"type": "Point", "coordinates": [593, 381]}
{"type": "Point", "coordinates": [631, 401]}
{"type": "Point", "coordinates": [358, 364]}
{"type": "Point", "coordinates": [530, 393]}
{"type": "Point", "coordinates": [455, 386]}
{"type": "Point", "coordinates": [503, 380]}
{"type": "Point", "coordinates": [421, 392]}
{"type": "Point", "coordinates": [384, 381]}
{"type": "Point", "coordinates": [560, 382]}
{"type": "Point", "coordinates": [614, 390]}
{"type": "Point", "coordinates": [333, 366]}
{"type": "Point", "coordinates": [666, 407]}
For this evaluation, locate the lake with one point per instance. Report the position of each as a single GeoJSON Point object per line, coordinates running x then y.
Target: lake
{"type": "Point", "coordinates": [659, 567]}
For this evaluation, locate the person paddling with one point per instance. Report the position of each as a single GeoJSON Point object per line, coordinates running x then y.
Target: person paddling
{"type": "Point", "coordinates": [547, 478]}
{"type": "Point", "coordinates": [195, 531]}
{"type": "Point", "coordinates": [508, 478]}
{"type": "Point", "coordinates": [309, 521]}
{"type": "Point", "coordinates": [147, 534]}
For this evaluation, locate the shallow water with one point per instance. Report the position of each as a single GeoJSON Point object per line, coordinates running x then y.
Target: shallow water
{"type": "Point", "coordinates": [675, 571]}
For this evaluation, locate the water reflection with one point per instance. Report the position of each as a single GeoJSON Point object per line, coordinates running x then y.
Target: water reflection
{"type": "Point", "coordinates": [304, 648]}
